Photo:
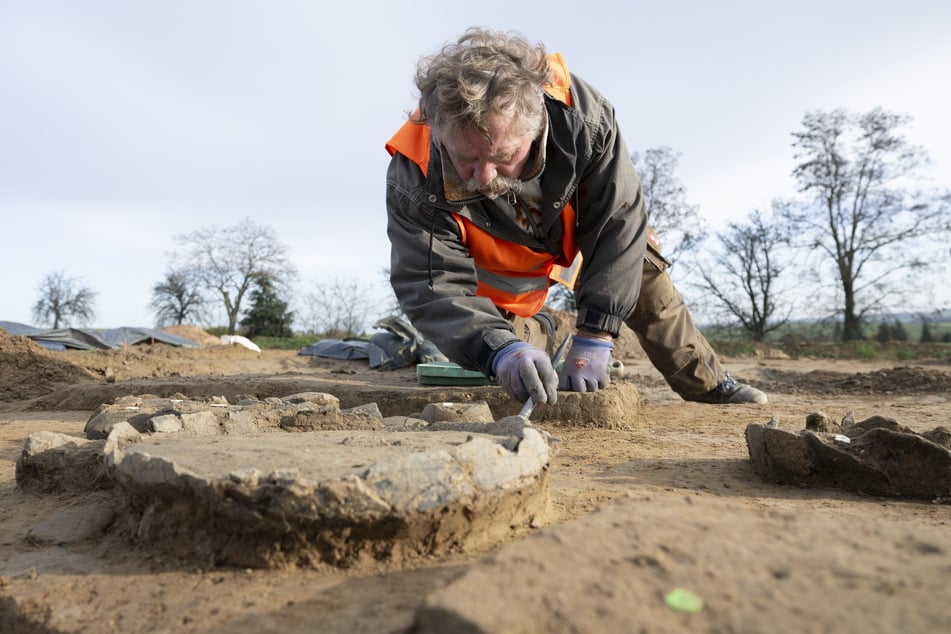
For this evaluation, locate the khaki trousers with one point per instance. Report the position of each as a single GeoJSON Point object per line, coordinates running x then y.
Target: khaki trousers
{"type": "Point", "coordinates": [538, 330]}
{"type": "Point", "coordinates": [663, 325]}
{"type": "Point", "coordinates": [665, 328]}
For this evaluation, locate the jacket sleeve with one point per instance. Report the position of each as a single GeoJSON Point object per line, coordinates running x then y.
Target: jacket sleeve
{"type": "Point", "coordinates": [612, 221]}
{"type": "Point", "coordinates": [434, 277]}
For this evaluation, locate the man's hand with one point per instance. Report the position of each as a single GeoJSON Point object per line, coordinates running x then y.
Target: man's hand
{"type": "Point", "coordinates": [587, 366]}
{"type": "Point", "coordinates": [524, 371]}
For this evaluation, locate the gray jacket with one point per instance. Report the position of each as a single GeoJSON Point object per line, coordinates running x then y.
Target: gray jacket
{"type": "Point", "coordinates": [434, 277]}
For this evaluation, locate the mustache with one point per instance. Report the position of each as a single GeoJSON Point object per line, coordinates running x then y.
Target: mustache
{"type": "Point", "coordinates": [496, 187]}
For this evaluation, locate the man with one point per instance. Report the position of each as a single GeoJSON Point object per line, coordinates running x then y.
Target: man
{"type": "Point", "coordinates": [513, 173]}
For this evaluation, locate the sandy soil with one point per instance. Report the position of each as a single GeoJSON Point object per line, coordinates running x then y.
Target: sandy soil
{"type": "Point", "coordinates": [670, 449]}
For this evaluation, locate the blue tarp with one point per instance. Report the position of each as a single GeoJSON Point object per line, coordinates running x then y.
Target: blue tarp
{"type": "Point", "coordinates": [93, 339]}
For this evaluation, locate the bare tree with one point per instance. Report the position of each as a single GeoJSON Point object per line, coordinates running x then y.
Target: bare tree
{"type": "Point", "coordinates": [863, 213]}
{"type": "Point", "coordinates": [63, 298]}
{"type": "Point", "coordinates": [674, 219]}
{"type": "Point", "coordinates": [177, 299]}
{"type": "Point", "coordinates": [560, 297]}
{"type": "Point", "coordinates": [227, 261]}
{"type": "Point", "coordinates": [744, 275]}
{"type": "Point", "coordinates": [338, 309]}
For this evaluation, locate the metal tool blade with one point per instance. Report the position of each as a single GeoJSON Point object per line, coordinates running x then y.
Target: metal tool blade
{"type": "Point", "coordinates": [556, 358]}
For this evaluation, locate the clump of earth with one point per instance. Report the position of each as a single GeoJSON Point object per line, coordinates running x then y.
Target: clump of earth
{"type": "Point", "coordinates": [875, 456]}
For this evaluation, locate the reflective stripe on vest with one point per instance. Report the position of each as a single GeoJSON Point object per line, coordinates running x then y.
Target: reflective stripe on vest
{"type": "Point", "coordinates": [513, 276]}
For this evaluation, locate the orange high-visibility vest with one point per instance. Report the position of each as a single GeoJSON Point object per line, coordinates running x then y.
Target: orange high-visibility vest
{"type": "Point", "coordinates": [513, 276]}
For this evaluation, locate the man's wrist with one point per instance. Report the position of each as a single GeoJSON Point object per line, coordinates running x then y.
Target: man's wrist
{"type": "Point", "coordinates": [591, 333]}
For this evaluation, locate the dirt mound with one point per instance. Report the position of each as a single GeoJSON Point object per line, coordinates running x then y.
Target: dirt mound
{"type": "Point", "coordinates": [163, 360]}
{"type": "Point", "coordinates": [28, 370]}
{"type": "Point", "coordinates": [898, 380]}
{"type": "Point", "coordinates": [193, 333]}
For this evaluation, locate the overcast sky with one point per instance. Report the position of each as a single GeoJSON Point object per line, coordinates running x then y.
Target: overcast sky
{"type": "Point", "coordinates": [123, 124]}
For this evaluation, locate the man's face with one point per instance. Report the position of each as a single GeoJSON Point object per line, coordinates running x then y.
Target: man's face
{"type": "Point", "coordinates": [490, 167]}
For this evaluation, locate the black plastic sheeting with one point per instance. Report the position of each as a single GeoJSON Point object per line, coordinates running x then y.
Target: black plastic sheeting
{"type": "Point", "coordinates": [95, 339]}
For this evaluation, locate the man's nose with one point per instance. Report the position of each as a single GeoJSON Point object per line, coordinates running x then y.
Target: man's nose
{"type": "Point", "coordinates": [485, 173]}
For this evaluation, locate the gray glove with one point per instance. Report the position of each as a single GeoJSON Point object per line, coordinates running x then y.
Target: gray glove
{"type": "Point", "coordinates": [588, 365]}
{"type": "Point", "coordinates": [524, 371]}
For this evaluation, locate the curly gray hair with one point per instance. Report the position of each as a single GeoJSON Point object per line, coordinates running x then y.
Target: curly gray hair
{"type": "Point", "coordinates": [483, 75]}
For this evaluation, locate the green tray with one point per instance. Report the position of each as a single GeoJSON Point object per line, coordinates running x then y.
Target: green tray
{"type": "Point", "coordinates": [448, 373]}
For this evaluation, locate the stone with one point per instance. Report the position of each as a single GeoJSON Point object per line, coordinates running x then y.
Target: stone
{"type": "Point", "coordinates": [477, 411]}
{"type": "Point", "coordinates": [103, 420]}
{"type": "Point", "coordinates": [200, 424]}
{"type": "Point", "coordinates": [366, 416]}
{"type": "Point", "coordinates": [122, 435]}
{"type": "Point", "coordinates": [321, 417]}
{"type": "Point", "coordinates": [403, 423]}
{"type": "Point", "coordinates": [316, 398]}
{"type": "Point", "coordinates": [52, 463]}
{"type": "Point", "coordinates": [369, 410]}
{"type": "Point", "coordinates": [239, 423]}
{"type": "Point", "coordinates": [165, 424]}
{"type": "Point", "coordinates": [512, 426]}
